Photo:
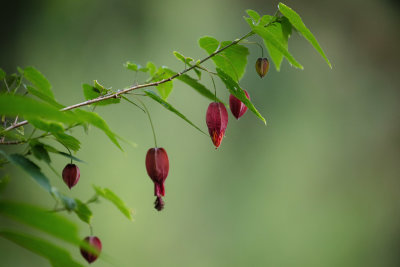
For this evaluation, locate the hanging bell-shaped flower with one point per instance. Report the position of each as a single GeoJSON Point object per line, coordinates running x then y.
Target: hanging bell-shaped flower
{"type": "Point", "coordinates": [262, 66]}
{"type": "Point", "coordinates": [217, 121]}
{"type": "Point", "coordinates": [157, 166]}
{"type": "Point", "coordinates": [93, 241]}
{"type": "Point", "coordinates": [237, 107]}
{"type": "Point", "coordinates": [71, 175]}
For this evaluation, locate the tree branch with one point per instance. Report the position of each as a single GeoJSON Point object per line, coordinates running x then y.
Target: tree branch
{"type": "Point", "coordinates": [121, 92]}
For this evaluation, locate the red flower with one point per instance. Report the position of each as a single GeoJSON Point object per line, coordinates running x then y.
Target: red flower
{"type": "Point", "coordinates": [157, 166]}
{"type": "Point", "coordinates": [93, 241]}
{"type": "Point", "coordinates": [71, 175]}
{"type": "Point", "coordinates": [217, 120]}
{"type": "Point", "coordinates": [237, 107]}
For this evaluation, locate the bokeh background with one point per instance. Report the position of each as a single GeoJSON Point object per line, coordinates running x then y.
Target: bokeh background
{"type": "Point", "coordinates": [319, 186]}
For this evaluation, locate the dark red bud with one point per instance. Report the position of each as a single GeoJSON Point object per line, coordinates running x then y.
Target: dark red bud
{"type": "Point", "coordinates": [157, 166]}
{"type": "Point", "coordinates": [217, 121]}
{"type": "Point", "coordinates": [262, 66]}
{"type": "Point", "coordinates": [237, 107]}
{"type": "Point", "coordinates": [71, 175]}
{"type": "Point", "coordinates": [94, 241]}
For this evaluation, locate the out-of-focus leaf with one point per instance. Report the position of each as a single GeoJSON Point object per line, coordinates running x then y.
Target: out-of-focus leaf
{"type": "Point", "coordinates": [97, 121]}
{"type": "Point", "coordinates": [4, 182]}
{"type": "Point", "coordinates": [111, 196]}
{"type": "Point", "coordinates": [2, 74]}
{"type": "Point", "coordinates": [39, 151]}
{"type": "Point", "coordinates": [44, 97]}
{"type": "Point", "coordinates": [297, 22]}
{"type": "Point", "coordinates": [238, 92]}
{"type": "Point", "coordinates": [57, 256]}
{"type": "Point", "coordinates": [254, 15]}
{"type": "Point", "coordinates": [31, 168]}
{"type": "Point", "coordinates": [47, 126]}
{"type": "Point", "coordinates": [168, 106]}
{"type": "Point", "coordinates": [38, 80]}
{"type": "Point", "coordinates": [83, 211]}
{"type": "Point", "coordinates": [152, 68]}
{"type": "Point", "coordinates": [232, 60]}
{"type": "Point", "coordinates": [13, 105]}
{"type": "Point", "coordinates": [135, 67]}
{"type": "Point", "coordinates": [68, 203]}
{"type": "Point", "coordinates": [68, 141]}
{"type": "Point", "coordinates": [56, 151]}
{"type": "Point", "coordinates": [200, 88]}
{"type": "Point", "coordinates": [274, 40]}
{"type": "Point", "coordinates": [42, 220]}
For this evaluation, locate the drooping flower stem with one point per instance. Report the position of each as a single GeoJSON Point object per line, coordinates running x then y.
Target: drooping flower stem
{"type": "Point", "coordinates": [151, 122]}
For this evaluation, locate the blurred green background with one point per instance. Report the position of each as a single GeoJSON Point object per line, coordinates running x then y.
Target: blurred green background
{"type": "Point", "coordinates": [319, 186]}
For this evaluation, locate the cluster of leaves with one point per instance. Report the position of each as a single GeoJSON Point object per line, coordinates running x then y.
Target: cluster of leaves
{"type": "Point", "coordinates": [27, 95]}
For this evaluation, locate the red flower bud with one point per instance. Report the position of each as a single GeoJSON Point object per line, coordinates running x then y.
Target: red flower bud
{"type": "Point", "coordinates": [217, 120]}
{"type": "Point", "coordinates": [93, 241]}
{"type": "Point", "coordinates": [237, 107]}
{"type": "Point", "coordinates": [157, 166]}
{"type": "Point", "coordinates": [262, 66]}
{"type": "Point", "coordinates": [71, 175]}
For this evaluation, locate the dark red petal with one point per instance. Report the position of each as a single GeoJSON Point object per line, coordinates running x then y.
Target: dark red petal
{"type": "Point", "coordinates": [96, 243]}
{"type": "Point", "coordinates": [157, 166]}
{"type": "Point", "coordinates": [71, 175]}
{"type": "Point", "coordinates": [236, 106]}
{"type": "Point", "coordinates": [217, 121]}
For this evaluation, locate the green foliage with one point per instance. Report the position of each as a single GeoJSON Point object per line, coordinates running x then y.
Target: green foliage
{"type": "Point", "coordinates": [4, 182]}
{"type": "Point", "coordinates": [57, 256]}
{"type": "Point", "coordinates": [165, 88]}
{"type": "Point", "coordinates": [68, 141]}
{"type": "Point", "coordinates": [83, 211]}
{"type": "Point", "coordinates": [39, 81]}
{"type": "Point", "coordinates": [297, 22]}
{"type": "Point", "coordinates": [168, 106]}
{"type": "Point", "coordinates": [113, 198]}
{"type": "Point", "coordinates": [92, 92]}
{"type": "Point", "coordinates": [13, 105]}
{"type": "Point", "coordinates": [39, 151]}
{"type": "Point", "coordinates": [232, 60]}
{"type": "Point", "coordinates": [31, 168]}
{"type": "Point", "coordinates": [238, 92]}
{"type": "Point", "coordinates": [41, 219]}
{"type": "Point", "coordinates": [187, 61]}
{"type": "Point", "coordinates": [44, 97]}
{"type": "Point", "coordinates": [2, 74]}
{"type": "Point", "coordinates": [135, 67]}
{"type": "Point", "coordinates": [196, 85]}
{"type": "Point", "coordinates": [273, 39]}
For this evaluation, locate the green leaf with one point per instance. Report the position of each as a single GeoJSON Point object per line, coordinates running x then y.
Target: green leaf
{"type": "Point", "coordinates": [187, 61]}
{"type": "Point", "coordinates": [274, 40]}
{"type": "Point", "coordinates": [13, 105]}
{"type": "Point", "coordinates": [31, 168]}
{"type": "Point", "coordinates": [152, 68]}
{"type": "Point", "coordinates": [47, 126]}
{"type": "Point", "coordinates": [38, 80]}
{"type": "Point", "coordinates": [135, 67]}
{"type": "Point", "coordinates": [232, 60]}
{"type": "Point", "coordinates": [92, 92]}
{"type": "Point", "coordinates": [44, 97]}
{"type": "Point", "coordinates": [68, 140]}
{"type": "Point", "coordinates": [83, 211]}
{"type": "Point", "coordinates": [39, 151]}
{"type": "Point", "coordinates": [168, 106]}
{"type": "Point", "coordinates": [2, 74]}
{"type": "Point", "coordinates": [238, 92]}
{"type": "Point", "coordinates": [282, 31]}
{"type": "Point", "coordinates": [165, 88]}
{"type": "Point", "coordinates": [182, 58]}
{"type": "Point", "coordinates": [200, 88]}
{"type": "Point", "coordinates": [4, 182]}
{"type": "Point", "coordinates": [111, 196]}
{"type": "Point", "coordinates": [42, 220]}
{"type": "Point", "coordinates": [57, 256]}
{"type": "Point", "coordinates": [56, 151]}
{"type": "Point", "coordinates": [254, 15]}
{"type": "Point", "coordinates": [266, 19]}
{"type": "Point", "coordinates": [297, 22]}
{"type": "Point", "coordinates": [97, 121]}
